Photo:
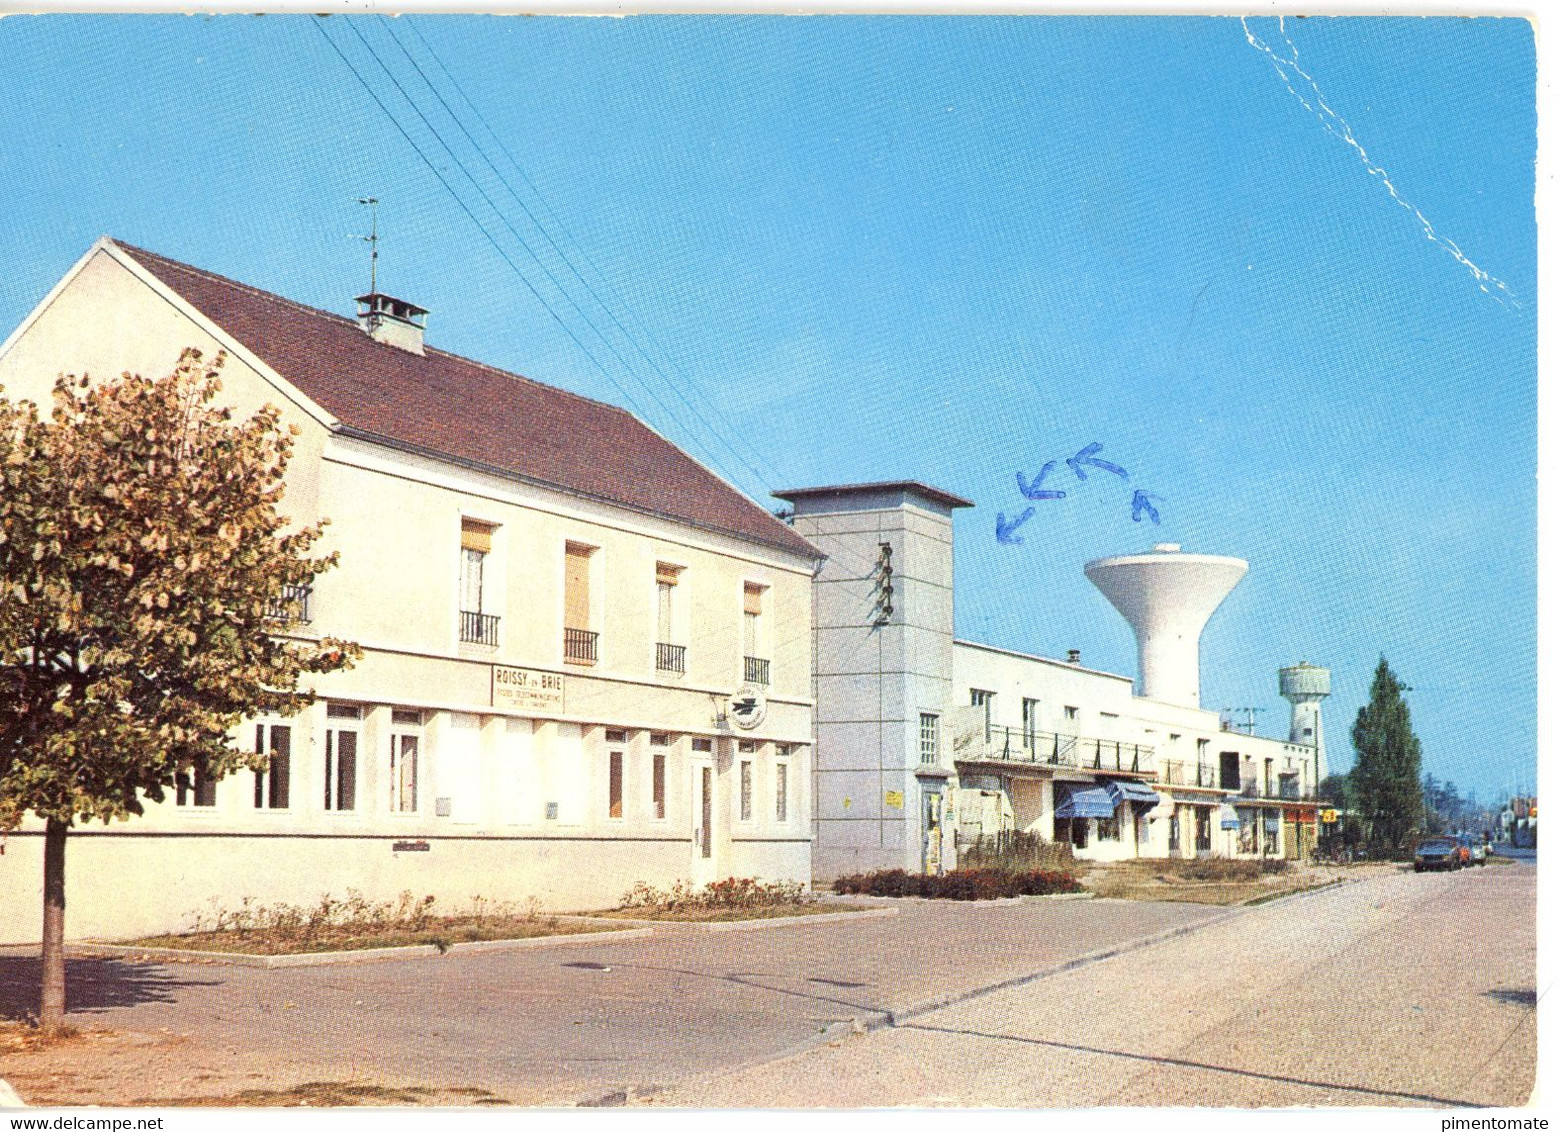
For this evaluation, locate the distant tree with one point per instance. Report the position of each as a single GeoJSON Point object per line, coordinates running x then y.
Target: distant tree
{"type": "Point", "coordinates": [148, 587]}
{"type": "Point", "coordinates": [1387, 764]}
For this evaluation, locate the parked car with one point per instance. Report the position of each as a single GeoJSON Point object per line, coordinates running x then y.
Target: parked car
{"type": "Point", "coordinates": [1437, 853]}
{"type": "Point", "coordinates": [1477, 851]}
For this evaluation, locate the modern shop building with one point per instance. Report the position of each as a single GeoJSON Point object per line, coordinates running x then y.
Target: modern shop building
{"type": "Point", "coordinates": [927, 743]}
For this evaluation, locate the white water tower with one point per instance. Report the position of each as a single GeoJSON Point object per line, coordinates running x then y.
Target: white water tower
{"type": "Point", "coordinates": [1167, 598]}
{"type": "Point", "coordinates": [1305, 685]}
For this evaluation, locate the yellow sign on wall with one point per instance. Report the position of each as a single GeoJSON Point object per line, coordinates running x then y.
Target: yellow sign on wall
{"type": "Point", "coordinates": [895, 799]}
{"type": "Point", "coordinates": [1329, 817]}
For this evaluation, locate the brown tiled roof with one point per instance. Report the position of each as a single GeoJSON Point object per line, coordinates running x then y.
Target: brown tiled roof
{"type": "Point", "coordinates": [452, 407]}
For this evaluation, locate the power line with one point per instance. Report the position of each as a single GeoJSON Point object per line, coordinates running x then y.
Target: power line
{"type": "Point", "coordinates": [318, 23]}
{"type": "Point", "coordinates": [524, 244]}
{"type": "Point", "coordinates": [426, 160]}
{"type": "Point", "coordinates": [579, 250]}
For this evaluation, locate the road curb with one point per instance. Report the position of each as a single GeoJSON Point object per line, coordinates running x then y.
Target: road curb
{"type": "Point", "coordinates": [334, 958]}
{"type": "Point", "coordinates": [752, 925]}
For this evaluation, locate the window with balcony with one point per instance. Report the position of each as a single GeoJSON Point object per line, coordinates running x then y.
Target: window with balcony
{"type": "Point", "coordinates": [980, 698]}
{"type": "Point", "coordinates": [477, 625]}
{"type": "Point", "coordinates": [1228, 767]}
{"type": "Point", "coordinates": [579, 639]}
{"type": "Point", "coordinates": [273, 784]}
{"type": "Point", "coordinates": [669, 655]}
{"type": "Point", "coordinates": [341, 739]}
{"type": "Point", "coordinates": [755, 667]}
{"type": "Point", "coordinates": [1030, 723]}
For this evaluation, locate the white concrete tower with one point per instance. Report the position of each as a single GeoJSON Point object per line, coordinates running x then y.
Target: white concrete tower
{"type": "Point", "coordinates": [1167, 597]}
{"type": "Point", "coordinates": [1305, 685]}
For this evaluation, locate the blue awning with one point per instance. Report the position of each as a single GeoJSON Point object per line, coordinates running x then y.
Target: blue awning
{"type": "Point", "coordinates": [1227, 817]}
{"type": "Point", "coordinates": [1126, 790]}
{"type": "Point", "coordinates": [1083, 802]}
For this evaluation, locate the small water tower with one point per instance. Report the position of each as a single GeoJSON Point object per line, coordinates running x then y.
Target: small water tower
{"type": "Point", "coordinates": [1305, 685]}
{"type": "Point", "coordinates": [1167, 597]}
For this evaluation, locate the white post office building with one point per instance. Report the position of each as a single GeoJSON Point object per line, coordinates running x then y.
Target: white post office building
{"type": "Point", "coordinates": [587, 659]}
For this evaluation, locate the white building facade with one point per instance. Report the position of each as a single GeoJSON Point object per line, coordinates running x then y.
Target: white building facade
{"type": "Point", "coordinates": [586, 659]}
{"type": "Point", "coordinates": [926, 743]}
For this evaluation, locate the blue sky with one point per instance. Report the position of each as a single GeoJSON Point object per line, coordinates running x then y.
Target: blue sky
{"type": "Point", "coordinates": [942, 248]}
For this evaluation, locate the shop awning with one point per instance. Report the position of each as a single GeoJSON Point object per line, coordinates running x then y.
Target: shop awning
{"type": "Point", "coordinates": [1083, 802]}
{"type": "Point", "coordinates": [1126, 790]}
{"type": "Point", "coordinates": [1227, 818]}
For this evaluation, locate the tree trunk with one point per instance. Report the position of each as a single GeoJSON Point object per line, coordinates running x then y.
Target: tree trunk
{"type": "Point", "coordinates": [51, 1010]}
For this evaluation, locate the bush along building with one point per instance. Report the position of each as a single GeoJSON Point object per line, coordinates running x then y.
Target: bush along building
{"type": "Point", "coordinates": [927, 744]}
{"type": "Point", "coordinates": [586, 658]}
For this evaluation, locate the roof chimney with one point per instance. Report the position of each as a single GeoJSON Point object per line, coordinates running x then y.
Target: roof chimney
{"type": "Point", "coordinates": [1074, 656]}
{"type": "Point", "coordinates": [395, 322]}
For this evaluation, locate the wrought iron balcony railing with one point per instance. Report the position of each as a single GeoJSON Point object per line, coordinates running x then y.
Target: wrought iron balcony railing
{"type": "Point", "coordinates": [1288, 790]}
{"type": "Point", "coordinates": [478, 628]}
{"type": "Point", "coordinates": [1174, 772]}
{"type": "Point", "coordinates": [1045, 748]}
{"type": "Point", "coordinates": [755, 670]}
{"type": "Point", "coordinates": [579, 646]}
{"type": "Point", "coordinates": [292, 605]}
{"type": "Point", "coordinates": [670, 658]}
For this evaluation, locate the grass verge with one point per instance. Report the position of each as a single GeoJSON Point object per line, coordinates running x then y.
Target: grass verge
{"type": "Point", "coordinates": [439, 932]}
{"type": "Point", "coordinates": [332, 1094]}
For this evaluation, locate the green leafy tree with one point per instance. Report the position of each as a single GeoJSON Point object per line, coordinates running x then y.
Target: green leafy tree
{"type": "Point", "coordinates": [148, 604]}
{"type": "Point", "coordinates": [1387, 764]}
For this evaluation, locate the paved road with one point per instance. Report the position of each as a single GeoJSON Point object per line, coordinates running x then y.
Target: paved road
{"type": "Point", "coordinates": [542, 1026]}
{"type": "Point", "coordinates": [1404, 989]}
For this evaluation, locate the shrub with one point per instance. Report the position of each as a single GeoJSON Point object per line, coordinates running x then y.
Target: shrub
{"type": "Point", "coordinates": [733, 893]}
{"type": "Point", "coordinates": [1016, 850]}
{"type": "Point", "coordinates": [960, 884]}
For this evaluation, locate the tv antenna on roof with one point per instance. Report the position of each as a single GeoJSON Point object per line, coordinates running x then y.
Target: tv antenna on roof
{"type": "Point", "coordinates": [372, 240]}
{"type": "Point", "coordinates": [1249, 726]}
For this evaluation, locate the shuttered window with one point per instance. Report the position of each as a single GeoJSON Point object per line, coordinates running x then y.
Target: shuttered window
{"type": "Point", "coordinates": [576, 586]}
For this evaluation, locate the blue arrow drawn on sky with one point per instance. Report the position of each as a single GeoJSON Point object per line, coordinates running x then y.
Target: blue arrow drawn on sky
{"type": "Point", "coordinates": [1031, 490]}
{"type": "Point", "coordinates": [1004, 529]}
{"type": "Point", "coordinates": [1139, 504]}
{"type": "Point", "coordinates": [1086, 456]}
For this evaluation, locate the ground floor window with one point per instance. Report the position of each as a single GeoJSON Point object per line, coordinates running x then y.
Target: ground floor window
{"type": "Point", "coordinates": [1110, 827]}
{"type": "Point", "coordinates": [196, 788]}
{"type": "Point", "coordinates": [614, 784]}
{"type": "Point", "coordinates": [1204, 829]}
{"type": "Point", "coordinates": [404, 748]}
{"type": "Point", "coordinates": [273, 783]}
{"type": "Point", "coordinates": [1270, 840]}
{"type": "Point", "coordinates": [658, 786]}
{"type": "Point", "coordinates": [781, 792]}
{"type": "Point", "coordinates": [1247, 832]}
{"type": "Point", "coordinates": [1074, 830]}
{"type": "Point", "coordinates": [1174, 831]}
